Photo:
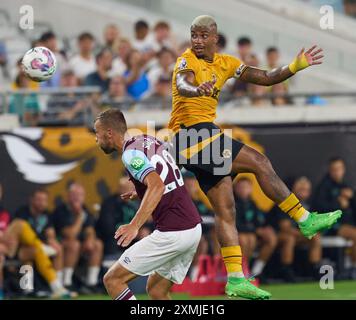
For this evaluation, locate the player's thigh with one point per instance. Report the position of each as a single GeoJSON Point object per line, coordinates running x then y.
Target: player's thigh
{"type": "Point", "coordinates": [153, 251]}
{"type": "Point", "coordinates": [176, 268]}
{"type": "Point", "coordinates": [249, 160]}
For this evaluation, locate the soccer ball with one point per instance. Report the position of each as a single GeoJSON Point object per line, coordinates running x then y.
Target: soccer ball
{"type": "Point", "coordinates": [39, 64]}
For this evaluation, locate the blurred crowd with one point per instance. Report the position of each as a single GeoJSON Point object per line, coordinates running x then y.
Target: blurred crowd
{"type": "Point", "coordinates": [71, 247]}
{"type": "Point", "coordinates": [129, 73]}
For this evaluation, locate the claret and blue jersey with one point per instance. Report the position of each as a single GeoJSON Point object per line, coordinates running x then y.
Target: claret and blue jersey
{"type": "Point", "coordinates": [144, 154]}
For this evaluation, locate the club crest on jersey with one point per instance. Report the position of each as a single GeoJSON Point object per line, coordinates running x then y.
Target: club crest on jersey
{"type": "Point", "coordinates": [183, 64]}
{"type": "Point", "coordinates": [147, 143]}
{"type": "Point", "coordinates": [137, 163]}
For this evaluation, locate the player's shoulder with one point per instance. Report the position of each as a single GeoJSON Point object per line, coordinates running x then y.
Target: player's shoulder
{"type": "Point", "coordinates": [141, 142]}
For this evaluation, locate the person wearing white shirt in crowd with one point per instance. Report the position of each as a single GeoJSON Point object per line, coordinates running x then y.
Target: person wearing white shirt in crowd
{"type": "Point", "coordinates": [163, 68]}
{"type": "Point", "coordinates": [83, 63]}
{"type": "Point", "coordinates": [111, 37]}
{"type": "Point", "coordinates": [163, 37]}
{"type": "Point", "coordinates": [118, 65]}
{"type": "Point", "coordinates": [49, 40]}
{"type": "Point", "coordinates": [143, 41]}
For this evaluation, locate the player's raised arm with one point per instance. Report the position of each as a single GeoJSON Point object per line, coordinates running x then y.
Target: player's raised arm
{"type": "Point", "coordinates": [185, 87]}
{"type": "Point", "coordinates": [267, 78]}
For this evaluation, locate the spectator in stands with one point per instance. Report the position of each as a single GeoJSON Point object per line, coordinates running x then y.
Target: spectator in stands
{"type": "Point", "coordinates": [273, 61]}
{"type": "Point", "coordinates": [163, 37]}
{"type": "Point", "coordinates": [19, 237]}
{"type": "Point", "coordinates": [117, 94]}
{"type": "Point", "coordinates": [290, 237]}
{"type": "Point", "coordinates": [334, 193]}
{"type": "Point", "coordinates": [4, 223]}
{"type": "Point", "coordinates": [3, 59]}
{"type": "Point", "coordinates": [136, 78]}
{"type": "Point", "coordinates": [31, 84]}
{"type": "Point", "coordinates": [25, 105]}
{"type": "Point", "coordinates": [143, 42]}
{"type": "Point", "coordinates": [208, 243]}
{"type": "Point", "coordinates": [111, 37]}
{"type": "Point", "coordinates": [252, 228]}
{"type": "Point", "coordinates": [75, 225]}
{"type": "Point", "coordinates": [222, 42]}
{"type": "Point", "coordinates": [83, 63]}
{"type": "Point", "coordinates": [350, 7]}
{"type": "Point", "coordinates": [245, 54]}
{"type": "Point", "coordinates": [37, 215]}
{"type": "Point", "coordinates": [114, 212]}
{"type": "Point", "coordinates": [118, 65]}
{"type": "Point", "coordinates": [69, 107]}
{"type": "Point", "coordinates": [100, 77]}
{"type": "Point", "coordinates": [183, 46]}
{"type": "Point", "coordinates": [161, 94]}
{"type": "Point", "coordinates": [49, 40]}
{"type": "Point", "coordinates": [164, 68]}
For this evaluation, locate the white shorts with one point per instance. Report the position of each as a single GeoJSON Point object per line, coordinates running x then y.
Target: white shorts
{"type": "Point", "coordinates": [169, 254]}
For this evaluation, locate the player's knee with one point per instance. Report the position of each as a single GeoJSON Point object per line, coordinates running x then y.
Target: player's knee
{"type": "Point", "coordinates": [109, 279]}
{"type": "Point", "coordinates": [263, 164]}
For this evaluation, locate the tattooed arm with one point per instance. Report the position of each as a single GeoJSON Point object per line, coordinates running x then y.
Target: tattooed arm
{"type": "Point", "coordinates": [277, 75]}
{"type": "Point", "coordinates": [184, 82]}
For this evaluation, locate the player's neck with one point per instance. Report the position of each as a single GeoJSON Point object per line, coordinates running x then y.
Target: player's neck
{"type": "Point", "coordinates": [119, 143]}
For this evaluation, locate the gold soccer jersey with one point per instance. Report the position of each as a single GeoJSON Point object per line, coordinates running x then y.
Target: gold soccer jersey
{"type": "Point", "coordinates": [188, 111]}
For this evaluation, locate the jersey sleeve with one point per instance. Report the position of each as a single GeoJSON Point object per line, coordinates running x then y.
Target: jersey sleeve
{"type": "Point", "coordinates": [236, 67]}
{"type": "Point", "coordinates": [137, 163]}
{"type": "Point", "coordinates": [184, 64]}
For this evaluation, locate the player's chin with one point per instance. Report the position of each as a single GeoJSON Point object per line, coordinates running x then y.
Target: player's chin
{"type": "Point", "coordinates": [200, 53]}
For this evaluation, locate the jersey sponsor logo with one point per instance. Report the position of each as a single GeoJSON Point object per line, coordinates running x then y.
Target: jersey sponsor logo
{"type": "Point", "coordinates": [183, 64]}
{"type": "Point", "coordinates": [239, 70]}
{"type": "Point", "coordinates": [137, 163]}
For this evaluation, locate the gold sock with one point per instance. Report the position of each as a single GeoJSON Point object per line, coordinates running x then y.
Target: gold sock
{"type": "Point", "coordinates": [292, 207]}
{"type": "Point", "coordinates": [43, 263]}
{"type": "Point", "coordinates": [232, 257]}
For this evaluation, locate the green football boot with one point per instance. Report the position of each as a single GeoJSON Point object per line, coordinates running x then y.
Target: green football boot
{"type": "Point", "coordinates": [243, 288]}
{"type": "Point", "coordinates": [317, 222]}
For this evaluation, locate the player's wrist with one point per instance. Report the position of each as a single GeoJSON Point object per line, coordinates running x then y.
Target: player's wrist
{"type": "Point", "coordinates": [299, 63]}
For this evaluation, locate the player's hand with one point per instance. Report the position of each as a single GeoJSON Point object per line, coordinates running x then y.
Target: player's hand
{"type": "Point", "coordinates": [131, 195]}
{"type": "Point", "coordinates": [125, 234]}
{"type": "Point", "coordinates": [206, 88]}
{"type": "Point", "coordinates": [306, 59]}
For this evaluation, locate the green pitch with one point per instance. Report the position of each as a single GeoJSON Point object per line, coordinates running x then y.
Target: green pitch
{"type": "Point", "coordinates": [343, 290]}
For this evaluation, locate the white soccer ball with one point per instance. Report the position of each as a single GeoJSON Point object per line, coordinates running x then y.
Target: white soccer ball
{"type": "Point", "coordinates": [39, 64]}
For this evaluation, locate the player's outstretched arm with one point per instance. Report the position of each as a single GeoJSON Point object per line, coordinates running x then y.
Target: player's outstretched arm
{"type": "Point", "coordinates": [267, 78]}
{"type": "Point", "coordinates": [185, 87]}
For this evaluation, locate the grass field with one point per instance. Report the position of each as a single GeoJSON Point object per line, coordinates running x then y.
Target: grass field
{"type": "Point", "coordinates": [343, 290]}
